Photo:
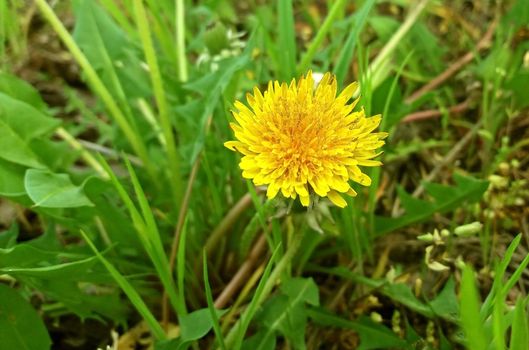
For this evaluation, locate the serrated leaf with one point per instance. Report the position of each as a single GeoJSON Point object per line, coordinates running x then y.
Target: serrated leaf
{"type": "Point", "coordinates": [66, 271]}
{"type": "Point", "coordinates": [50, 190]}
{"type": "Point", "coordinates": [24, 255]}
{"type": "Point", "coordinates": [412, 204]}
{"type": "Point", "coordinates": [445, 199]}
{"type": "Point", "coordinates": [20, 325]}
{"type": "Point", "coordinates": [372, 335]}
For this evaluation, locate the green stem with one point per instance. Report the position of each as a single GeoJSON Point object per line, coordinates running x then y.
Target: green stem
{"type": "Point", "coordinates": [322, 32]}
{"type": "Point", "coordinates": [88, 158]}
{"type": "Point", "coordinates": [161, 99]}
{"type": "Point", "coordinates": [97, 85]}
{"type": "Point", "coordinates": [180, 40]}
{"type": "Point", "coordinates": [379, 67]}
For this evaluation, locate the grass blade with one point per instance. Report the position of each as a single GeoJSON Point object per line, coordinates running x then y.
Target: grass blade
{"type": "Point", "coordinates": [322, 32]}
{"type": "Point", "coordinates": [287, 40]}
{"type": "Point", "coordinates": [161, 99]}
{"type": "Point", "coordinates": [159, 258]}
{"type": "Point", "coordinates": [129, 290]}
{"type": "Point", "coordinates": [379, 67]}
{"type": "Point", "coordinates": [97, 85]}
{"type": "Point", "coordinates": [347, 53]}
{"type": "Point", "coordinates": [238, 331]}
{"type": "Point", "coordinates": [211, 305]}
{"type": "Point", "coordinates": [470, 320]}
{"type": "Point", "coordinates": [520, 328]}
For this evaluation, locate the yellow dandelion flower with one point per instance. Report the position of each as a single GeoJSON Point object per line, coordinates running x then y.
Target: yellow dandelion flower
{"type": "Point", "coordinates": [304, 140]}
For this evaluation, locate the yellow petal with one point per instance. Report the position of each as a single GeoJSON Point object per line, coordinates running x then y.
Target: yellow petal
{"type": "Point", "coordinates": [319, 186]}
{"type": "Point", "coordinates": [272, 190]}
{"type": "Point", "coordinates": [337, 199]}
{"type": "Point", "coordinates": [302, 190]}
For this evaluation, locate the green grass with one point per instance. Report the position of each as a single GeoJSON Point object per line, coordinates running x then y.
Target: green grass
{"type": "Point", "coordinates": [123, 206]}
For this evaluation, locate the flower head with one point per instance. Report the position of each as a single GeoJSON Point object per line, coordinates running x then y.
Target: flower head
{"type": "Point", "coordinates": [304, 140]}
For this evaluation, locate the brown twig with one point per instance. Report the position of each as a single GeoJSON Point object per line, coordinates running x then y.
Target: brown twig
{"type": "Point", "coordinates": [228, 221]}
{"type": "Point", "coordinates": [434, 113]}
{"type": "Point", "coordinates": [176, 239]}
{"type": "Point", "coordinates": [455, 67]}
{"type": "Point", "coordinates": [244, 271]}
{"type": "Point", "coordinates": [178, 229]}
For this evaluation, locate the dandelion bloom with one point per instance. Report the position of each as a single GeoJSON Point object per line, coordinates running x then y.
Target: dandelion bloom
{"type": "Point", "coordinates": [304, 140]}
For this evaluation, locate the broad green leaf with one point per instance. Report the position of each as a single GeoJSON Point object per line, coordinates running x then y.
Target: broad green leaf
{"type": "Point", "coordinates": [304, 289]}
{"type": "Point", "coordinates": [108, 48]}
{"type": "Point", "coordinates": [50, 190]}
{"type": "Point", "coordinates": [8, 238]}
{"type": "Point", "coordinates": [286, 313]}
{"type": "Point", "coordinates": [67, 271]}
{"type": "Point", "coordinates": [260, 341]}
{"type": "Point", "coordinates": [11, 179]}
{"type": "Point", "coordinates": [19, 123]}
{"type": "Point", "coordinates": [13, 148]}
{"type": "Point", "coordinates": [21, 90]}
{"type": "Point", "coordinates": [445, 303]}
{"type": "Point", "coordinates": [196, 324]}
{"type": "Point", "coordinates": [402, 293]}
{"type": "Point", "coordinates": [23, 255]}
{"type": "Point", "coordinates": [399, 292]}
{"type": "Point", "coordinates": [517, 16]}
{"type": "Point", "coordinates": [446, 198]}
{"type": "Point", "coordinates": [23, 119]}
{"type": "Point", "coordinates": [86, 300]}
{"type": "Point", "coordinates": [21, 327]}
{"type": "Point", "coordinates": [518, 85]}
{"type": "Point", "coordinates": [372, 335]}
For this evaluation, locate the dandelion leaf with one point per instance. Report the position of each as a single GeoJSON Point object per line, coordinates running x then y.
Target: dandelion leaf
{"type": "Point", "coordinates": [444, 199]}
